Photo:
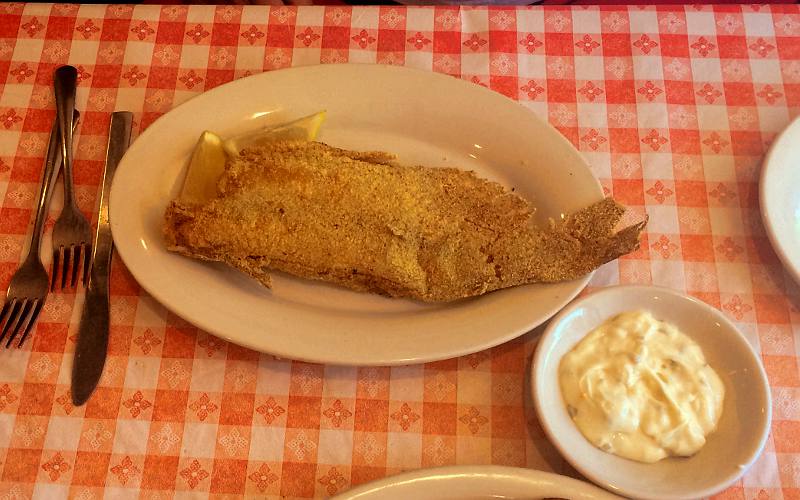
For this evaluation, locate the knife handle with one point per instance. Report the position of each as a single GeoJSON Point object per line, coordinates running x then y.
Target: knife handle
{"type": "Point", "coordinates": [119, 134]}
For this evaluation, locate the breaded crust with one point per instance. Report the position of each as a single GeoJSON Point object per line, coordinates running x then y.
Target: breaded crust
{"type": "Point", "coordinates": [358, 220]}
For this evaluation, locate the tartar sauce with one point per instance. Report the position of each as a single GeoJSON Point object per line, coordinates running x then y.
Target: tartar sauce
{"type": "Point", "coordinates": [639, 388]}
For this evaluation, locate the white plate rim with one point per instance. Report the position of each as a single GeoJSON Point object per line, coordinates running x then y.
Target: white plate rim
{"type": "Point", "coordinates": [491, 473]}
{"type": "Point", "coordinates": [768, 168]}
{"type": "Point", "coordinates": [340, 358]}
{"type": "Point", "coordinates": [542, 349]}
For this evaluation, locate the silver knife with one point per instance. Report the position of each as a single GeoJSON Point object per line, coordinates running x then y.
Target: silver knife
{"type": "Point", "coordinates": [92, 346]}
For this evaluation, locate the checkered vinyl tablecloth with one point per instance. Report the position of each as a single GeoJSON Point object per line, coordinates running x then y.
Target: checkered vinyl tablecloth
{"type": "Point", "coordinates": [673, 107]}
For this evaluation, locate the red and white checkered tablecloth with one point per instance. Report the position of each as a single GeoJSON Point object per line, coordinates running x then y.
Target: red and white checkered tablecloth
{"type": "Point", "coordinates": [673, 107]}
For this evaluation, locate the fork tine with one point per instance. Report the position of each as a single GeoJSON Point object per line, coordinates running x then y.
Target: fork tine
{"type": "Point", "coordinates": [23, 315]}
{"type": "Point", "coordinates": [56, 268]}
{"type": "Point", "coordinates": [66, 257]}
{"type": "Point", "coordinates": [34, 316]}
{"type": "Point", "coordinates": [6, 307]}
{"type": "Point", "coordinates": [87, 263]}
{"type": "Point", "coordinates": [76, 264]}
{"type": "Point", "coordinates": [11, 318]}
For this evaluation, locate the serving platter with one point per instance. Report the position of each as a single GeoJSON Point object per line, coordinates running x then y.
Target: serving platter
{"type": "Point", "coordinates": [779, 197]}
{"type": "Point", "coordinates": [422, 117]}
{"type": "Point", "coordinates": [473, 482]}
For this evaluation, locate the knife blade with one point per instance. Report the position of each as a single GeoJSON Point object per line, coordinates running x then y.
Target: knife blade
{"type": "Point", "coordinates": [92, 345]}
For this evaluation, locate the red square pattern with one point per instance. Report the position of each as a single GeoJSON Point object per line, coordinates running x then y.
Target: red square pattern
{"type": "Point", "coordinates": [21, 465]}
{"type": "Point", "coordinates": [561, 90]}
{"type": "Point", "coordinates": [732, 47]}
{"type": "Point", "coordinates": [616, 45]}
{"type": "Point", "coordinates": [107, 76]}
{"type": "Point", "coordinates": [629, 191]}
{"type": "Point", "coordinates": [93, 122]}
{"type": "Point", "coordinates": [222, 34]}
{"type": "Point", "coordinates": [620, 92]}
{"type": "Point", "coordinates": [697, 248]}
{"type": "Point", "coordinates": [624, 140]}
{"type": "Point", "coordinates": [123, 283]}
{"type": "Point", "coordinates": [507, 422]}
{"type": "Point", "coordinates": [170, 406]}
{"type": "Point", "coordinates": [38, 120]}
{"type": "Point", "coordinates": [14, 220]}
{"type": "Point", "coordinates": [792, 93]}
{"type": "Point", "coordinates": [9, 25]}
{"type": "Point", "coordinates": [506, 85]}
{"type": "Point", "coordinates": [297, 480]}
{"type": "Point", "coordinates": [335, 37]}
{"type": "Point", "coordinates": [104, 403]}
{"type": "Point", "coordinates": [60, 28]}
{"type": "Point", "coordinates": [237, 408]}
{"type": "Point", "coordinates": [162, 77]}
{"type": "Point", "coordinates": [786, 435]}
{"type": "Point", "coordinates": [228, 476]}
{"type": "Point", "coordinates": [50, 337]}
{"type": "Point", "coordinates": [36, 399]}
{"type": "Point", "coordinates": [216, 77]}
{"type": "Point", "coordinates": [747, 143]}
{"type": "Point", "coordinates": [360, 474]}
{"type": "Point", "coordinates": [371, 415]}
{"type": "Point", "coordinates": [391, 40]}
{"type": "Point", "coordinates": [439, 418]}
{"type": "Point", "coordinates": [788, 47]}
{"type": "Point", "coordinates": [559, 44]}
{"type": "Point", "coordinates": [691, 193]}
{"type": "Point", "coordinates": [159, 472]}
{"type": "Point", "coordinates": [739, 94]}
{"type": "Point", "coordinates": [5, 66]}
{"type": "Point", "coordinates": [280, 36]}
{"type": "Point", "coordinates": [179, 342]}
{"type": "Point", "coordinates": [500, 41]}
{"type": "Point", "coordinates": [685, 141]}
{"type": "Point", "coordinates": [508, 358]}
{"type": "Point", "coordinates": [116, 30]}
{"type": "Point", "coordinates": [170, 33]}
{"type": "Point", "coordinates": [303, 412]}
{"type": "Point", "coordinates": [679, 92]}
{"type": "Point", "coordinates": [674, 45]}
{"type": "Point", "coordinates": [447, 42]}
{"type": "Point", "coordinates": [90, 468]}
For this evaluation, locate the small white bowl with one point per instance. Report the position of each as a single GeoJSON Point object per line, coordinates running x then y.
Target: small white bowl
{"type": "Point", "coordinates": [729, 451]}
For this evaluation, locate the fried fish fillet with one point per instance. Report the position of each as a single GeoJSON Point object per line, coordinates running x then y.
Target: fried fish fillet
{"type": "Point", "coordinates": [360, 221]}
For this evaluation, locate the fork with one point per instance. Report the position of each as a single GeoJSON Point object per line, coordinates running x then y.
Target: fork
{"type": "Point", "coordinates": [27, 290]}
{"type": "Point", "coordinates": [72, 233]}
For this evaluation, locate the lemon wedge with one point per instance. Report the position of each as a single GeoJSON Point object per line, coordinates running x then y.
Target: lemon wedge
{"type": "Point", "coordinates": [302, 129]}
{"type": "Point", "coordinates": [205, 168]}
{"type": "Point", "coordinates": [211, 152]}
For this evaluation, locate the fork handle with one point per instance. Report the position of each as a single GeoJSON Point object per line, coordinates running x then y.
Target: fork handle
{"type": "Point", "coordinates": [52, 165]}
{"type": "Point", "coordinates": [65, 82]}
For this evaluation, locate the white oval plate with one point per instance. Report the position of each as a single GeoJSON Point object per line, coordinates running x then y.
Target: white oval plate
{"type": "Point", "coordinates": [746, 413]}
{"type": "Point", "coordinates": [424, 118]}
{"type": "Point", "coordinates": [779, 196]}
{"type": "Point", "coordinates": [468, 482]}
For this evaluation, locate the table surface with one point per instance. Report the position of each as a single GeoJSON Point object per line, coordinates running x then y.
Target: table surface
{"type": "Point", "coordinates": [673, 108]}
